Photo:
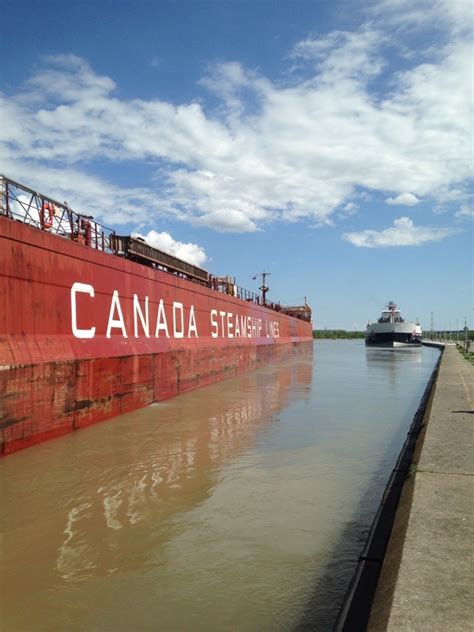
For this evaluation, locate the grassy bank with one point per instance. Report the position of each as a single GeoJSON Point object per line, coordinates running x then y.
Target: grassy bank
{"type": "Point", "coordinates": [334, 334]}
{"type": "Point", "coordinates": [467, 355]}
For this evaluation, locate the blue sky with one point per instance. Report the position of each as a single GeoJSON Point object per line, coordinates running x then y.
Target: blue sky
{"type": "Point", "coordinates": [329, 143]}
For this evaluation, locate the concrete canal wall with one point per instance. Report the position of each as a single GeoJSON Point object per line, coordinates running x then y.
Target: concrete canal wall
{"type": "Point", "coordinates": [425, 574]}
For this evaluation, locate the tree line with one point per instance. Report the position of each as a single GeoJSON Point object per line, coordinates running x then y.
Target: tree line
{"type": "Point", "coordinates": [343, 334]}
{"type": "Point", "coordinates": [337, 333]}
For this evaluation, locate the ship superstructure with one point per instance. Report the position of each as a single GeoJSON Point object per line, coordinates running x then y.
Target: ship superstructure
{"type": "Point", "coordinates": [391, 330]}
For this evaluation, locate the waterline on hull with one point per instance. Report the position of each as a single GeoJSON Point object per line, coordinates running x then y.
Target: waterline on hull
{"type": "Point", "coordinates": [394, 345]}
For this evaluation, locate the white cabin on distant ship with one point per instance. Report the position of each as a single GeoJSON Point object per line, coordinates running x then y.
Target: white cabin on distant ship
{"type": "Point", "coordinates": [391, 330]}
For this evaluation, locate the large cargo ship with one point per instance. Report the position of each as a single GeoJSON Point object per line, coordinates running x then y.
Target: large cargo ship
{"type": "Point", "coordinates": [392, 331]}
{"type": "Point", "coordinates": [93, 324]}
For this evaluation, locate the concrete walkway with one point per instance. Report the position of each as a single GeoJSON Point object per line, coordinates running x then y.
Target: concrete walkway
{"type": "Point", "coordinates": [427, 579]}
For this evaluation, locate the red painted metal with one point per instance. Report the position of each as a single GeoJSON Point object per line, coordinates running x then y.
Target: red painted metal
{"type": "Point", "coordinates": [72, 355]}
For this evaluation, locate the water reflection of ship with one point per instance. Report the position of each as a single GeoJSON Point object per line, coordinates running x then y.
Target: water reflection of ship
{"type": "Point", "coordinates": [393, 364]}
{"type": "Point", "coordinates": [169, 467]}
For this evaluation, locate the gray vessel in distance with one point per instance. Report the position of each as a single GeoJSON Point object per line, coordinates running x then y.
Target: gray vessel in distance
{"type": "Point", "coordinates": [392, 331]}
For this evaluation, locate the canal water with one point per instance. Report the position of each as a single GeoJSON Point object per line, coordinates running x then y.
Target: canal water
{"type": "Point", "coordinates": [240, 506]}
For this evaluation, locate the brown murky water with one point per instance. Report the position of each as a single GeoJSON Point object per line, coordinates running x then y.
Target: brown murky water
{"type": "Point", "coordinates": [240, 506]}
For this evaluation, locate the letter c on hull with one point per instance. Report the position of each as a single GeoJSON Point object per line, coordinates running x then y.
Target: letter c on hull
{"type": "Point", "coordinates": [85, 289]}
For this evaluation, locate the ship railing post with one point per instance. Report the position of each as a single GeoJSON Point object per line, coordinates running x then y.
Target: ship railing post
{"type": "Point", "coordinates": [41, 206]}
{"type": "Point", "coordinates": [4, 201]}
{"type": "Point", "coordinates": [3, 206]}
{"type": "Point", "coordinates": [71, 222]}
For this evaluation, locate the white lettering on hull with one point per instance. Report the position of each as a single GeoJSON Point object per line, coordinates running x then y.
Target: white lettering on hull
{"type": "Point", "coordinates": [192, 323]}
{"type": "Point", "coordinates": [116, 323]}
{"type": "Point", "coordinates": [137, 311]}
{"type": "Point", "coordinates": [178, 327]}
{"type": "Point", "coordinates": [183, 319]}
{"type": "Point", "coordinates": [86, 289]}
{"type": "Point", "coordinates": [161, 324]}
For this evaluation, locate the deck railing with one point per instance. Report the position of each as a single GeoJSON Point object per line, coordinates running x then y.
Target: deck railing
{"type": "Point", "coordinates": [38, 210]}
{"type": "Point", "coordinates": [21, 203]}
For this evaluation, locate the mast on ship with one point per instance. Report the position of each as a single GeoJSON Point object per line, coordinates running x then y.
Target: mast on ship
{"type": "Point", "coordinates": [264, 288]}
{"type": "Point", "coordinates": [392, 307]}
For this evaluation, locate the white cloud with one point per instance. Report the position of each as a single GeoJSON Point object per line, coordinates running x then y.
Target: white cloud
{"type": "Point", "coordinates": [402, 233]}
{"type": "Point", "coordinates": [227, 220]}
{"type": "Point", "coordinates": [270, 151]}
{"type": "Point", "coordinates": [466, 210]}
{"type": "Point", "coordinates": [350, 208]}
{"type": "Point", "coordinates": [87, 194]}
{"type": "Point", "coordinates": [456, 15]}
{"type": "Point", "coordinates": [344, 55]}
{"type": "Point", "coordinates": [69, 78]}
{"type": "Point", "coordinates": [192, 253]}
{"type": "Point", "coordinates": [404, 199]}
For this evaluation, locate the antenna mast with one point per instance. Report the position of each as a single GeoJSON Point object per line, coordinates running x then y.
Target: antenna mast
{"type": "Point", "coordinates": [264, 287]}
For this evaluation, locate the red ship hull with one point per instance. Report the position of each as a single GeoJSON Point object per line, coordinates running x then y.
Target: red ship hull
{"type": "Point", "coordinates": [86, 335]}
